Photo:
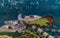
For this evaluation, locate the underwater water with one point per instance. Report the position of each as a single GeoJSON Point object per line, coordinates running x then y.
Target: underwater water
{"type": "Point", "coordinates": [9, 10]}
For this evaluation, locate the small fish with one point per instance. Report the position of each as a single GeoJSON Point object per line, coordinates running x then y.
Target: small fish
{"type": "Point", "coordinates": [44, 21]}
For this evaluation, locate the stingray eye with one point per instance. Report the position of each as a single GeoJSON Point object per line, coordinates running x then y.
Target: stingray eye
{"type": "Point", "coordinates": [9, 27]}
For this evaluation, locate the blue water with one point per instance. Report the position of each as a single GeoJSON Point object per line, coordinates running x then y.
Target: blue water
{"type": "Point", "coordinates": [9, 10]}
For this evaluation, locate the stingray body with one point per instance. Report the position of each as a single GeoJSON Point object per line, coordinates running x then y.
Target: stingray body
{"type": "Point", "coordinates": [14, 29]}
